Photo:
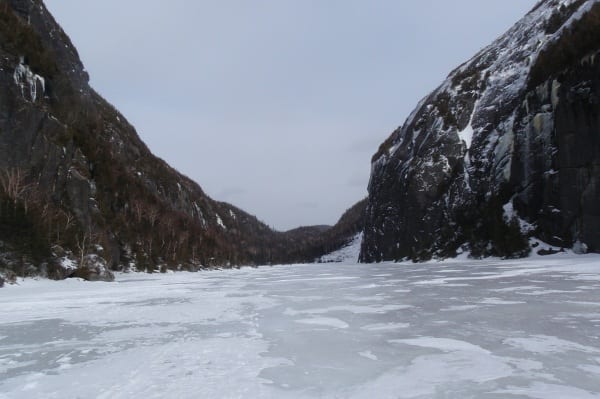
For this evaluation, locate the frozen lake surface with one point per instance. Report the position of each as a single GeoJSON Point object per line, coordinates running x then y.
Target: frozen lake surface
{"type": "Point", "coordinates": [456, 329]}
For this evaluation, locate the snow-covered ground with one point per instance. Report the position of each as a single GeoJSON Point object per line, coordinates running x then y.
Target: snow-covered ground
{"type": "Point", "coordinates": [348, 253]}
{"type": "Point", "coordinates": [456, 329]}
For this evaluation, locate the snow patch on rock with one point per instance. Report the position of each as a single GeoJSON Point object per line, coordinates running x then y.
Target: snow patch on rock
{"type": "Point", "coordinates": [466, 135]}
{"type": "Point", "coordinates": [220, 222]}
{"type": "Point", "coordinates": [28, 81]}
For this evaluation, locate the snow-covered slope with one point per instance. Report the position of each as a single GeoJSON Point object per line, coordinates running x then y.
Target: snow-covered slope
{"type": "Point", "coordinates": [516, 127]}
{"type": "Point", "coordinates": [349, 253]}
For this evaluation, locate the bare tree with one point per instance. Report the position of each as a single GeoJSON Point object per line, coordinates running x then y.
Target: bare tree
{"type": "Point", "coordinates": [137, 208]}
{"type": "Point", "coordinates": [152, 214]}
{"type": "Point", "coordinates": [83, 242]}
{"type": "Point", "coordinates": [68, 221]}
{"type": "Point", "coordinates": [12, 182]}
{"type": "Point", "coordinates": [182, 239]}
{"type": "Point", "coordinates": [32, 197]}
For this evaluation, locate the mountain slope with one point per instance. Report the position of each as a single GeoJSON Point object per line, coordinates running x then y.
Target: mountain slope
{"type": "Point", "coordinates": [87, 180]}
{"type": "Point", "coordinates": [80, 193]}
{"type": "Point", "coordinates": [508, 146]}
{"type": "Point", "coordinates": [309, 244]}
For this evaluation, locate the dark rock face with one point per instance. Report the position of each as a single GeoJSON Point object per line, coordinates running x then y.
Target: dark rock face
{"type": "Point", "coordinates": [507, 147]}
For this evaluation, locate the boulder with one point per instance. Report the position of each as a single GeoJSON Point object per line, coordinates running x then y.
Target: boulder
{"type": "Point", "coordinates": [94, 268]}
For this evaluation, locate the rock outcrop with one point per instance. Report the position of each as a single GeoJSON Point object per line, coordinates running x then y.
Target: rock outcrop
{"type": "Point", "coordinates": [508, 147]}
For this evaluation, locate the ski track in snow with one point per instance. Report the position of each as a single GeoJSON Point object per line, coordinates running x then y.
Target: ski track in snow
{"type": "Point", "coordinates": [455, 329]}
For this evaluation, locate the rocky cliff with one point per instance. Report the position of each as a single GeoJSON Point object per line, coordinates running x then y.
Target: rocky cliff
{"type": "Point", "coordinates": [81, 194]}
{"type": "Point", "coordinates": [507, 148]}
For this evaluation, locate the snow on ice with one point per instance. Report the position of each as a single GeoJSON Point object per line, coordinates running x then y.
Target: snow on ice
{"type": "Point", "coordinates": [453, 329]}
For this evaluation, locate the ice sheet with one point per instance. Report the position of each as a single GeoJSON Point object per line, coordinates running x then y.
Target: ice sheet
{"type": "Point", "coordinates": [521, 328]}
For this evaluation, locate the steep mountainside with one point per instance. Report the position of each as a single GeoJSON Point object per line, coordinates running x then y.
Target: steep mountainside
{"type": "Point", "coordinates": [80, 193]}
{"type": "Point", "coordinates": [507, 147]}
{"type": "Point", "coordinates": [307, 244]}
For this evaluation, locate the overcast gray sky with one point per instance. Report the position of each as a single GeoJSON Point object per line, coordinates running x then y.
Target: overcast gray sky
{"type": "Point", "coordinates": [276, 105]}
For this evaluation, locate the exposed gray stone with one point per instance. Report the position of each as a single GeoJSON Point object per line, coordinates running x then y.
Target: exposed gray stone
{"type": "Point", "coordinates": [516, 129]}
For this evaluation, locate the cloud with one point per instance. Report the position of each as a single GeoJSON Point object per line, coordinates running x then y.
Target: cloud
{"type": "Point", "coordinates": [231, 192]}
{"type": "Point", "coordinates": [275, 106]}
{"type": "Point", "coordinates": [366, 144]}
{"type": "Point", "coordinates": [358, 181]}
{"type": "Point", "coordinates": [308, 205]}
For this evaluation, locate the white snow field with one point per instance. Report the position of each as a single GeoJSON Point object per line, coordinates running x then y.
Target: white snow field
{"type": "Point", "coordinates": [455, 329]}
